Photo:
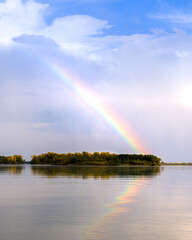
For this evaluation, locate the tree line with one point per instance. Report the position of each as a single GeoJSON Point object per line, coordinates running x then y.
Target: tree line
{"type": "Point", "coordinates": [96, 158]}
{"type": "Point", "coordinates": [15, 159]}
{"type": "Point", "coordinates": [85, 158]}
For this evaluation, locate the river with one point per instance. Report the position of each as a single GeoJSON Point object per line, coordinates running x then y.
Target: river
{"type": "Point", "coordinates": [95, 203]}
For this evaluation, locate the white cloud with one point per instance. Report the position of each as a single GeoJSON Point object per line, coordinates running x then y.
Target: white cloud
{"type": "Point", "coordinates": [72, 32]}
{"type": "Point", "coordinates": [25, 23]}
{"type": "Point", "coordinates": [174, 17]}
{"type": "Point", "coordinates": [17, 18]}
{"type": "Point", "coordinates": [75, 28]}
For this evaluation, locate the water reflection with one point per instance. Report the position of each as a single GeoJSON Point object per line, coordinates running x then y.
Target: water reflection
{"type": "Point", "coordinates": [135, 178]}
{"type": "Point", "coordinates": [94, 172]}
{"type": "Point", "coordinates": [11, 169]}
{"type": "Point", "coordinates": [117, 207]}
{"type": "Point", "coordinates": [56, 202]}
{"type": "Point", "coordinates": [74, 202]}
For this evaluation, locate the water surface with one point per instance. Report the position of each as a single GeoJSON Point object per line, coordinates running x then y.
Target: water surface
{"type": "Point", "coordinates": [107, 203]}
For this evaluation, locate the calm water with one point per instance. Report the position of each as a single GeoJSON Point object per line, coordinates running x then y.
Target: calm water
{"type": "Point", "coordinates": [108, 203]}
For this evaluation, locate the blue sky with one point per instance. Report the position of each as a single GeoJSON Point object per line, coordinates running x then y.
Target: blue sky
{"type": "Point", "coordinates": [134, 56]}
{"type": "Point", "coordinates": [126, 16]}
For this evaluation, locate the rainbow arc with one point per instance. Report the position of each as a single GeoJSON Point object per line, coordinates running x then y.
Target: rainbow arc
{"type": "Point", "coordinates": [114, 121]}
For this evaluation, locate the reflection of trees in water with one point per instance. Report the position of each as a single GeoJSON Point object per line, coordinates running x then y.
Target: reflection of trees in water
{"type": "Point", "coordinates": [12, 170]}
{"type": "Point", "coordinates": [95, 172]}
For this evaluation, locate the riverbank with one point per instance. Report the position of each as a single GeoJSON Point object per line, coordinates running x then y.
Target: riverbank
{"type": "Point", "coordinates": [177, 164]}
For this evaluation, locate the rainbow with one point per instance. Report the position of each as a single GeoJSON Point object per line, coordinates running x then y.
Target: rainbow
{"type": "Point", "coordinates": [116, 208]}
{"type": "Point", "coordinates": [114, 121]}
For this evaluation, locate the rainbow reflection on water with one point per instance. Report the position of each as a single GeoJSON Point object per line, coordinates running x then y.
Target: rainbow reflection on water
{"type": "Point", "coordinates": [119, 206]}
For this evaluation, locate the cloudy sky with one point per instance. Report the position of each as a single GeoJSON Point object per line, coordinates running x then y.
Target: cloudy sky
{"type": "Point", "coordinates": [133, 57]}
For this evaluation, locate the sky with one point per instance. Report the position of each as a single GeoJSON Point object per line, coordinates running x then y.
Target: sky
{"type": "Point", "coordinates": [96, 75]}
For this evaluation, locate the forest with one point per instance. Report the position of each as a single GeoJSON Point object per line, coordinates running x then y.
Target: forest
{"type": "Point", "coordinates": [15, 159]}
{"type": "Point", "coordinates": [85, 158]}
{"type": "Point", "coordinates": [96, 158]}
